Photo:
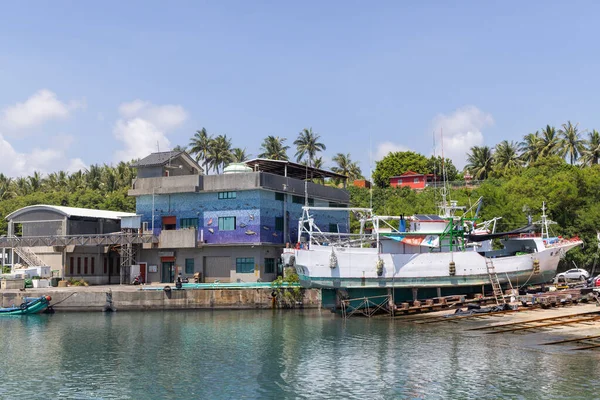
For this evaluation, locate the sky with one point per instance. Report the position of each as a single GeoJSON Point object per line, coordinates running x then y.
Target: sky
{"type": "Point", "coordinates": [86, 83]}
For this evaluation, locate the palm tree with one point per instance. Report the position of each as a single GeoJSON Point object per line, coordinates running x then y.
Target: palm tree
{"type": "Point", "coordinates": [23, 187]}
{"type": "Point", "coordinates": [571, 144]}
{"type": "Point", "coordinates": [6, 188]}
{"type": "Point", "coordinates": [480, 161]}
{"type": "Point", "coordinates": [239, 155]}
{"type": "Point", "coordinates": [550, 142]}
{"type": "Point", "coordinates": [506, 156]}
{"type": "Point", "coordinates": [346, 167]}
{"type": "Point", "coordinates": [93, 177]}
{"type": "Point", "coordinates": [200, 146]}
{"type": "Point", "coordinates": [273, 148]}
{"type": "Point", "coordinates": [219, 152]}
{"type": "Point", "coordinates": [308, 144]}
{"type": "Point", "coordinates": [531, 147]}
{"type": "Point", "coordinates": [35, 181]}
{"type": "Point", "coordinates": [591, 153]}
{"type": "Point", "coordinates": [76, 181]}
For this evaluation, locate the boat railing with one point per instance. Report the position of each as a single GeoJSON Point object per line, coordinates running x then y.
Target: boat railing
{"type": "Point", "coordinates": [342, 239]}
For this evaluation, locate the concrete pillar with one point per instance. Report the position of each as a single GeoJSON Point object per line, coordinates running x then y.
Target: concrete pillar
{"type": "Point", "coordinates": [439, 292]}
{"type": "Point", "coordinates": [11, 229]}
{"type": "Point", "coordinates": [415, 293]}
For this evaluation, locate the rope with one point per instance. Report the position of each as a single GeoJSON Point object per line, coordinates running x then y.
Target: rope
{"type": "Point", "coordinates": [65, 298]}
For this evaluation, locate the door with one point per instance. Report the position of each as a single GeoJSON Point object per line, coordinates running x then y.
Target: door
{"type": "Point", "coordinates": [168, 272]}
{"type": "Point", "coordinates": [143, 272]}
{"type": "Point", "coordinates": [217, 268]}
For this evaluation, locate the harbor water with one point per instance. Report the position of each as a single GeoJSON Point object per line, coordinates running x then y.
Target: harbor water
{"type": "Point", "coordinates": [269, 354]}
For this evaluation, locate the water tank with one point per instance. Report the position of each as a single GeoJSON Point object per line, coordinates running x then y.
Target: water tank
{"type": "Point", "coordinates": [236, 168]}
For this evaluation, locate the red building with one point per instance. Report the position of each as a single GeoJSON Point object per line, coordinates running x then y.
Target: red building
{"type": "Point", "coordinates": [413, 180]}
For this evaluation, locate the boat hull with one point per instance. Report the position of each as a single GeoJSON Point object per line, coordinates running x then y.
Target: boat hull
{"type": "Point", "coordinates": [30, 306]}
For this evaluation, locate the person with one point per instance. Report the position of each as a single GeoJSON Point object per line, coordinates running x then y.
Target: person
{"type": "Point", "coordinates": [178, 282]}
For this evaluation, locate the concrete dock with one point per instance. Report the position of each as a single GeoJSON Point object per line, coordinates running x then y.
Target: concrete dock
{"type": "Point", "coordinates": [153, 297]}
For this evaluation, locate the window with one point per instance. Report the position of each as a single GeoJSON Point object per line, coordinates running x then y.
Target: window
{"type": "Point", "coordinates": [269, 265]}
{"type": "Point", "coordinates": [72, 266]}
{"type": "Point", "coordinates": [416, 180]}
{"type": "Point", "coordinates": [189, 266]}
{"type": "Point", "coordinates": [297, 200]}
{"type": "Point", "coordinates": [227, 195]}
{"type": "Point", "coordinates": [244, 265]}
{"type": "Point", "coordinates": [85, 265]}
{"type": "Point", "coordinates": [78, 265]}
{"type": "Point", "coordinates": [226, 223]}
{"type": "Point", "coordinates": [93, 265]}
{"type": "Point", "coordinates": [279, 223]}
{"type": "Point", "coordinates": [279, 196]}
{"type": "Point", "coordinates": [333, 228]}
{"type": "Point", "coordinates": [185, 223]}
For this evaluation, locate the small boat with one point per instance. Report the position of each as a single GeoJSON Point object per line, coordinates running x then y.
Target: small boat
{"type": "Point", "coordinates": [30, 305]}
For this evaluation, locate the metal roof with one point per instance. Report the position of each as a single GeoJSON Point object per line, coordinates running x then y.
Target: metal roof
{"type": "Point", "coordinates": [71, 212]}
{"type": "Point", "coordinates": [291, 169]}
{"type": "Point", "coordinates": [156, 159]}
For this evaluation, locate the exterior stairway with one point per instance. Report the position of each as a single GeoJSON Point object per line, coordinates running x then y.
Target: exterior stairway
{"type": "Point", "coordinates": [28, 257]}
{"type": "Point", "coordinates": [496, 288]}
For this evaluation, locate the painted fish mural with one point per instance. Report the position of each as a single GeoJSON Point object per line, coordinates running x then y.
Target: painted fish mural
{"type": "Point", "coordinates": [209, 222]}
{"type": "Point", "coordinates": [266, 228]}
{"type": "Point", "coordinates": [249, 232]}
{"type": "Point", "coordinates": [275, 234]}
{"type": "Point", "coordinates": [251, 216]}
{"type": "Point", "coordinates": [211, 230]}
{"type": "Point", "coordinates": [243, 225]}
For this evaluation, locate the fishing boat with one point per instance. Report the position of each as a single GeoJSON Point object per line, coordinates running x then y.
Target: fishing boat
{"type": "Point", "coordinates": [30, 305]}
{"type": "Point", "coordinates": [437, 255]}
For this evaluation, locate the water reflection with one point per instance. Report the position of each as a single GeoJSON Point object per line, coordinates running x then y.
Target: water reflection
{"type": "Point", "coordinates": [276, 354]}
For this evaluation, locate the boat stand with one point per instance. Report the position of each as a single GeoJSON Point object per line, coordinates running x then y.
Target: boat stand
{"type": "Point", "coordinates": [368, 306]}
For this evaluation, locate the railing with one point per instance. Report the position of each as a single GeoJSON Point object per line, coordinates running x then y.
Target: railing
{"type": "Point", "coordinates": [28, 256]}
{"type": "Point", "coordinates": [78, 240]}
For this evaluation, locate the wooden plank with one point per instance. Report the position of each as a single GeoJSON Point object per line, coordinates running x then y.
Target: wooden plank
{"type": "Point", "coordinates": [534, 320]}
{"type": "Point", "coordinates": [573, 340]}
{"type": "Point", "coordinates": [522, 328]}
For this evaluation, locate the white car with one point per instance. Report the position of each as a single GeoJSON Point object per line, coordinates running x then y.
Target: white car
{"type": "Point", "coordinates": [573, 274]}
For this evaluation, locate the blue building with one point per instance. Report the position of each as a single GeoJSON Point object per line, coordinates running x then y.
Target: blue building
{"type": "Point", "coordinates": [227, 227]}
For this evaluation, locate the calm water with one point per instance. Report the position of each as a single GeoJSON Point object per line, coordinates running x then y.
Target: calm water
{"type": "Point", "coordinates": [277, 355]}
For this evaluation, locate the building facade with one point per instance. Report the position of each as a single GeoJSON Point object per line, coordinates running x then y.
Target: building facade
{"type": "Point", "coordinates": [229, 227]}
{"type": "Point", "coordinates": [413, 180]}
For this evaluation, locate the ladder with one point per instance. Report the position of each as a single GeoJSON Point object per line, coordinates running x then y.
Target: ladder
{"type": "Point", "coordinates": [28, 256]}
{"type": "Point", "coordinates": [496, 288]}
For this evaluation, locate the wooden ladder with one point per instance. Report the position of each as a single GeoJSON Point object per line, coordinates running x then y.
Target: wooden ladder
{"type": "Point", "coordinates": [496, 288]}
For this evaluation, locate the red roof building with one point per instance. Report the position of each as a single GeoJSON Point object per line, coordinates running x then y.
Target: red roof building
{"type": "Point", "coordinates": [413, 180]}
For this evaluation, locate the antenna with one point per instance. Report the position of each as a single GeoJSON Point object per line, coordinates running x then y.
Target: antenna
{"type": "Point", "coordinates": [157, 147]}
{"type": "Point", "coordinates": [370, 172]}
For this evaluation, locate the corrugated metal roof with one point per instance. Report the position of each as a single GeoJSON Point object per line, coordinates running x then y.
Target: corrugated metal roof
{"type": "Point", "coordinates": [72, 212]}
{"type": "Point", "coordinates": [156, 159]}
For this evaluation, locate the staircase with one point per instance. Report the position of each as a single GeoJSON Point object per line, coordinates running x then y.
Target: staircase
{"type": "Point", "coordinates": [496, 288]}
{"type": "Point", "coordinates": [28, 256]}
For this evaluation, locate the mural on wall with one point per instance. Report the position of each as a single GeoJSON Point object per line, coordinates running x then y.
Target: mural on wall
{"type": "Point", "coordinates": [253, 216]}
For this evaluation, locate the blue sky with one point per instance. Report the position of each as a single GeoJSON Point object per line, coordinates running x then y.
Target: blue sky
{"type": "Point", "coordinates": [84, 83]}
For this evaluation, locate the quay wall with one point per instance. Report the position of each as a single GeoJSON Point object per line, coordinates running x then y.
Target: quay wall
{"type": "Point", "coordinates": [90, 299]}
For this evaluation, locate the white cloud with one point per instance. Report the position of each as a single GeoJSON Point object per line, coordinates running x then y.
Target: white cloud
{"type": "Point", "coordinates": [41, 107]}
{"type": "Point", "coordinates": [143, 128]}
{"type": "Point", "coordinates": [383, 149]}
{"type": "Point", "coordinates": [462, 130]}
{"type": "Point", "coordinates": [14, 163]}
{"type": "Point", "coordinates": [75, 165]}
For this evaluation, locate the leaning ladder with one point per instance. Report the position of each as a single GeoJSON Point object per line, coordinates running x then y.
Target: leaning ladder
{"type": "Point", "coordinates": [496, 288]}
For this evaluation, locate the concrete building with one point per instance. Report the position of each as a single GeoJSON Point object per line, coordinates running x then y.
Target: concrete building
{"type": "Point", "coordinates": [39, 234]}
{"type": "Point", "coordinates": [226, 227]}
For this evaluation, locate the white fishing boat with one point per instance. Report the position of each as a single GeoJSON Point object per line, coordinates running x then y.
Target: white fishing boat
{"type": "Point", "coordinates": [447, 253]}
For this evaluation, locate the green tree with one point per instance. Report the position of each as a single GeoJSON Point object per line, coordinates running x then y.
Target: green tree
{"type": "Point", "coordinates": [239, 155]}
{"type": "Point", "coordinates": [200, 145]}
{"type": "Point", "coordinates": [506, 157]}
{"type": "Point", "coordinates": [480, 161]}
{"type": "Point", "coordinates": [531, 147]}
{"type": "Point", "coordinates": [273, 148]}
{"type": "Point", "coordinates": [591, 152]}
{"type": "Point", "coordinates": [345, 166]}
{"type": "Point", "coordinates": [397, 163]}
{"type": "Point", "coordinates": [572, 144]}
{"type": "Point", "coordinates": [550, 142]}
{"type": "Point", "coordinates": [308, 145]}
{"type": "Point", "coordinates": [219, 153]}
{"type": "Point", "coordinates": [437, 166]}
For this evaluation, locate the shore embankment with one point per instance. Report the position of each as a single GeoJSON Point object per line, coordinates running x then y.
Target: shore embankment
{"type": "Point", "coordinates": [153, 297]}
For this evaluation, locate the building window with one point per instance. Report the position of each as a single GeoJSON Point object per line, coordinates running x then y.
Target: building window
{"type": "Point", "coordinates": [72, 266]}
{"type": "Point", "coordinates": [333, 228]}
{"type": "Point", "coordinates": [244, 265]}
{"type": "Point", "coordinates": [189, 266]}
{"type": "Point", "coordinates": [279, 196]}
{"type": "Point", "coordinates": [78, 265]}
{"type": "Point", "coordinates": [226, 223]}
{"type": "Point", "coordinates": [93, 265]}
{"type": "Point", "coordinates": [227, 195]}
{"type": "Point", "coordinates": [416, 180]}
{"type": "Point", "coordinates": [269, 265]}
{"type": "Point", "coordinates": [85, 265]}
{"type": "Point", "coordinates": [185, 223]}
{"type": "Point", "coordinates": [279, 223]}
{"type": "Point", "coordinates": [106, 265]}
{"type": "Point", "coordinates": [297, 200]}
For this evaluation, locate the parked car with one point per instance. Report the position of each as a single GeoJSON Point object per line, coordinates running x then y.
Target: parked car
{"type": "Point", "coordinates": [594, 282]}
{"type": "Point", "coordinates": [572, 274]}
